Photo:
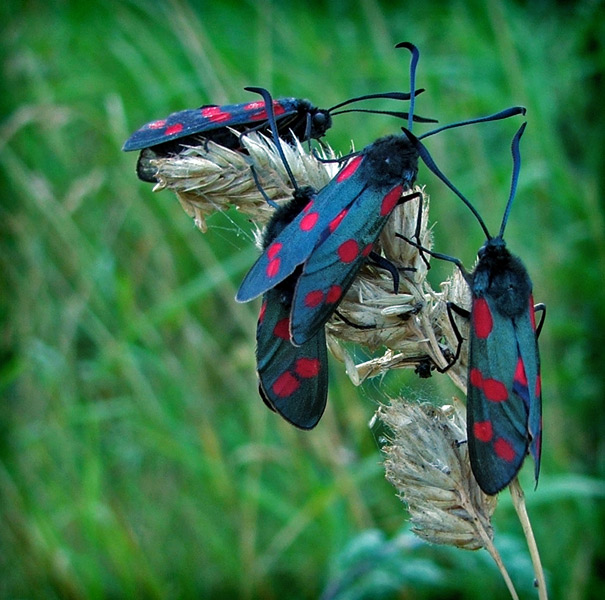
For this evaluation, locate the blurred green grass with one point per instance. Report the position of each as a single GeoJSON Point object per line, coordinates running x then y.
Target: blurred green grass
{"type": "Point", "coordinates": [135, 456]}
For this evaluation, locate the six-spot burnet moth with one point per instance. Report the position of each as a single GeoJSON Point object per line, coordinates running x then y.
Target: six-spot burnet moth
{"type": "Point", "coordinates": [293, 380]}
{"type": "Point", "coordinates": [504, 397]}
{"type": "Point", "coordinates": [211, 122]}
{"type": "Point", "coordinates": [294, 117]}
{"type": "Point", "coordinates": [335, 233]}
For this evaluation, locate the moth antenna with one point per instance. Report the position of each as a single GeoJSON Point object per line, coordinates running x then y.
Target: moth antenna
{"type": "Point", "coordinates": [430, 163]}
{"type": "Point", "coordinates": [503, 114]}
{"type": "Point", "coordinates": [413, 63]}
{"type": "Point", "coordinates": [515, 178]}
{"type": "Point", "coordinates": [399, 115]}
{"type": "Point", "coordinates": [391, 95]}
{"type": "Point", "coordinates": [308, 128]}
{"type": "Point", "coordinates": [274, 131]}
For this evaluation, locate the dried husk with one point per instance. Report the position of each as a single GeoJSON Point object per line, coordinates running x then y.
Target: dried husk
{"type": "Point", "coordinates": [427, 463]}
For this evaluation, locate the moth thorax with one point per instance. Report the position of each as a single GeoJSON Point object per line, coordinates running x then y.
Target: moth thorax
{"type": "Point", "coordinates": [502, 279]}
{"type": "Point", "coordinates": [391, 159]}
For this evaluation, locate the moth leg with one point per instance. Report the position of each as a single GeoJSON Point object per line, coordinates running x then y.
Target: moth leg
{"type": "Point", "coordinates": [351, 324]}
{"type": "Point", "coordinates": [416, 236]}
{"type": "Point", "coordinates": [438, 255]}
{"type": "Point", "coordinates": [462, 312]}
{"type": "Point", "coordinates": [387, 265]}
{"type": "Point", "coordinates": [261, 189]}
{"type": "Point", "coordinates": [426, 364]}
{"type": "Point", "coordinates": [451, 309]}
{"type": "Point", "coordinates": [404, 317]}
{"type": "Point", "coordinates": [542, 309]}
{"type": "Point", "coordinates": [339, 160]}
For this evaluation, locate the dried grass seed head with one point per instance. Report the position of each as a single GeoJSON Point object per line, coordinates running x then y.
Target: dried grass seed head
{"type": "Point", "coordinates": [428, 465]}
{"type": "Point", "coordinates": [209, 177]}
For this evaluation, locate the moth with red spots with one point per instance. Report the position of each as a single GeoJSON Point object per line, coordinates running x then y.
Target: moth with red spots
{"type": "Point", "coordinates": [293, 380]}
{"type": "Point", "coordinates": [504, 398]}
{"type": "Point", "coordinates": [294, 117]}
{"type": "Point", "coordinates": [334, 234]}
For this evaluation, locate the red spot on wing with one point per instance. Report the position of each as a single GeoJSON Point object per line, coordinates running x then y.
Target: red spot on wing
{"type": "Point", "coordinates": [273, 267]}
{"type": "Point", "coordinates": [349, 169]}
{"type": "Point", "coordinates": [390, 200]}
{"type": "Point", "coordinates": [260, 115]}
{"type": "Point", "coordinates": [307, 367]}
{"type": "Point", "coordinates": [520, 376]}
{"type": "Point", "coordinates": [176, 128]}
{"type": "Point", "coordinates": [282, 329]}
{"type": "Point", "coordinates": [274, 249]}
{"type": "Point", "coordinates": [314, 298]}
{"type": "Point", "coordinates": [483, 431]}
{"type": "Point", "coordinates": [476, 378]}
{"type": "Point", "coordinates": [261, 314]}
{"type": "Point", "coordinates": [335, 222]}
{"type": "Point", "coordinates": [366, 251]}
{"type": "Point", "coordinates": [308, 221]}
{"type": "Point", "coordinates": [483, 322]}
{"type": "Point", "coordinates": [216, 114]}
{"type": "Point", "coordinates": [504, 450]}
{"type": "Point", "coordinates": [495, 390]}
{"type": "Point", "coordinates": [257, 109]}
{"type": "Point", "coordinates": [334, 294]}
{"type": "Point", "coordinates": [307, 208]}
{"type": "Point", "coordinates": [254, 105]}
{"type": "Point", "coordinates": [538, 386]}
{"type": "Point", "coordinates": [278, 109]}
{"type": "Point", "coordinates": [285, 385]}
{"type": "Point", "coordinates": [348, 251]}
{"type": "Point", "coordinates": [157, 124]}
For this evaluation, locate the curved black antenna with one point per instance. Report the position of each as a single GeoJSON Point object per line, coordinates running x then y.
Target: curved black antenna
{"type": "Point", "coordinates": [271, 118]}
{"type": "Point", "coordinates": [392, 113]}
{"type": "Point", "coordinates": [388, 95]}
{"type": "Point", "coordinates": [415, 56]}
{"type": "Point", "coordinates": [503, 114]}
{"type": "Point", "coordinates": [515, 178]}
{"type": "Point", "coordinates": [430, 163]}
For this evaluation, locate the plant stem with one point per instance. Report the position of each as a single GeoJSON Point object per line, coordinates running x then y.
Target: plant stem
{"type": "Point", "coordinates": [498, 560]}
{"type": "Point", "coordinates": [518, 497]}
{"type": "Point", "coordinates": [489, 546]}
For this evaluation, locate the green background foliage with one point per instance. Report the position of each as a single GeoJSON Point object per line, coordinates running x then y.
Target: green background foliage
{"type": "Point", "coordinates": [136, 458]}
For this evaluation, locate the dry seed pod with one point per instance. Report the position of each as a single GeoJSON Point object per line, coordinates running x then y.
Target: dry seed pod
{"type": "Point", "coordinates": [427, 462]}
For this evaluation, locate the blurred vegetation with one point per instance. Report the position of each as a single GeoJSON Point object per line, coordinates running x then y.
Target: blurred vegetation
{"type": "Point", "coordinates": [136, 458]}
